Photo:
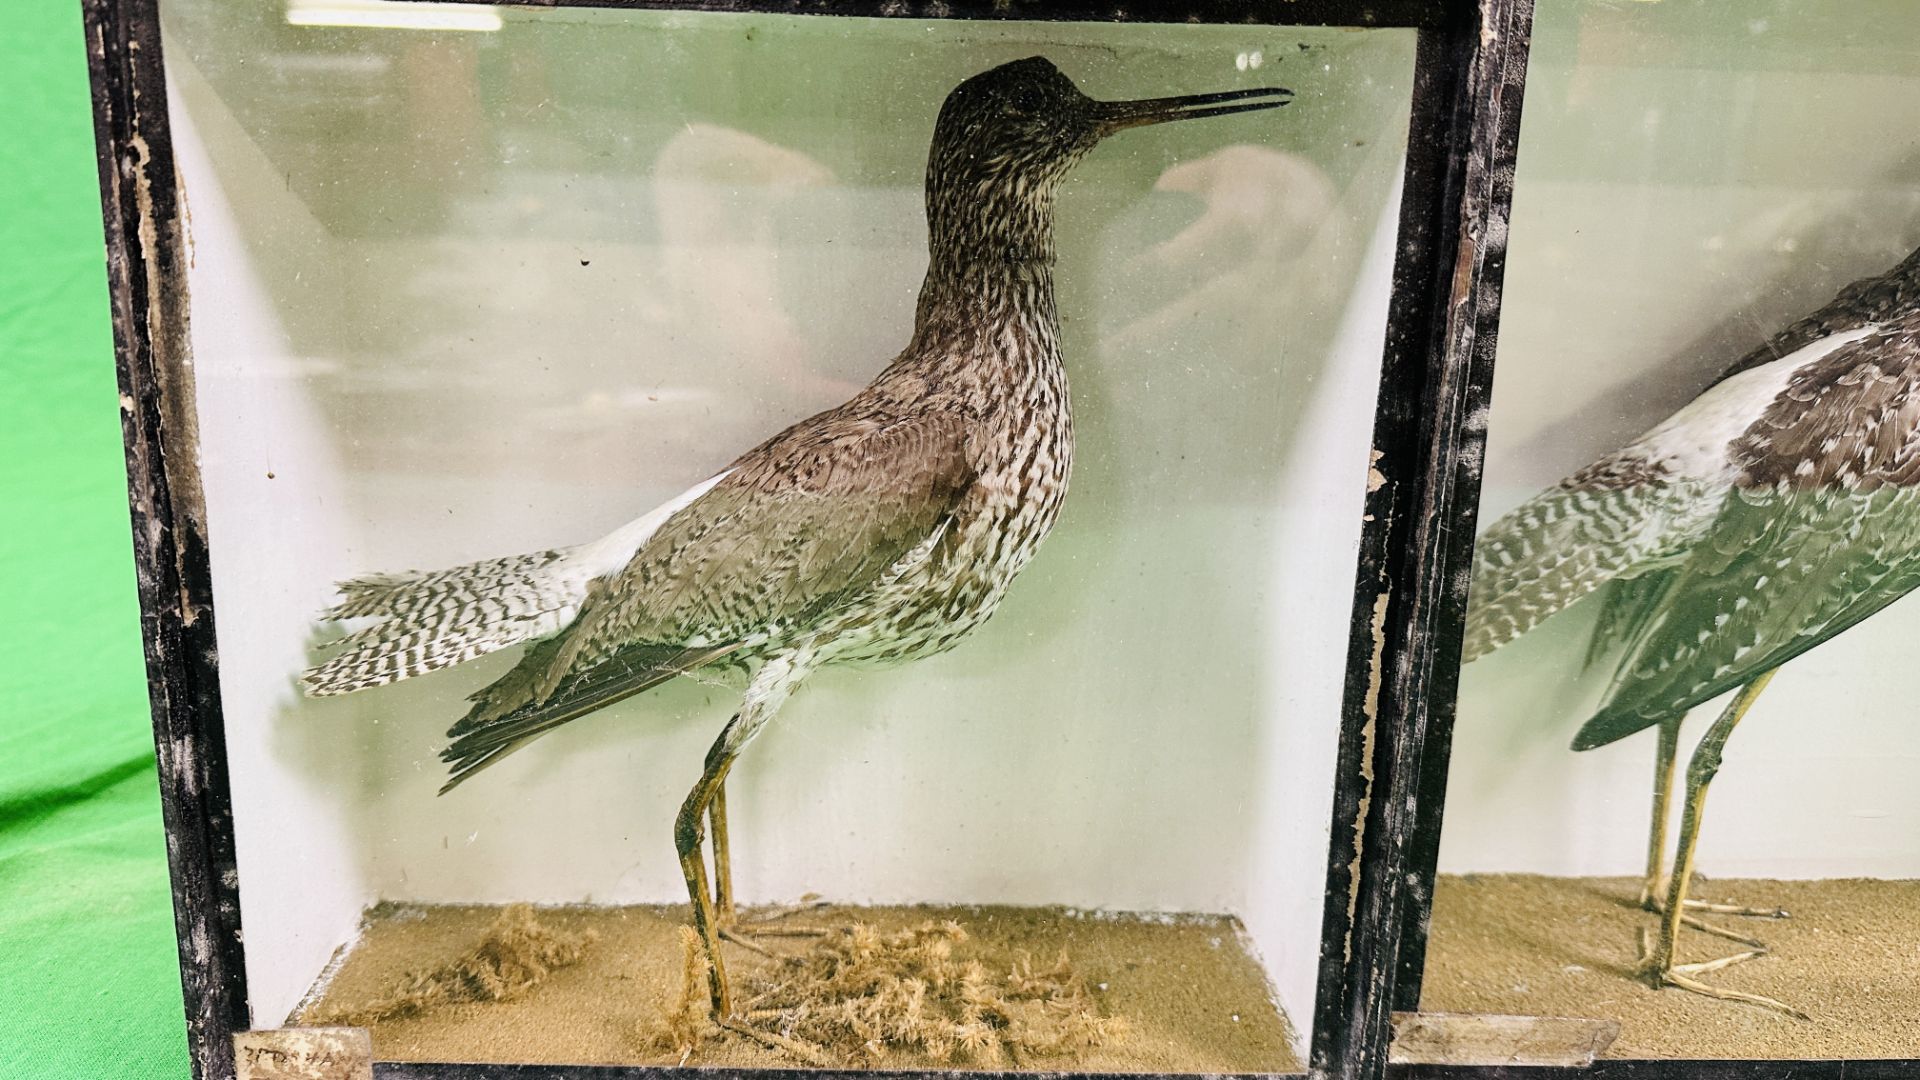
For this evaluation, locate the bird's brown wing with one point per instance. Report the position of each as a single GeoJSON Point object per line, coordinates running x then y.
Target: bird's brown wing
{"type": "Point", "coordinates": [1822, 531]}
{"type": "Point", "coordinates": [807, 521]}
{"type": "Point", "coordinates": [799, 525]}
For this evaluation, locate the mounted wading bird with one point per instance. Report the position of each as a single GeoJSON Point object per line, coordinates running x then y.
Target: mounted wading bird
{"type": "Point", "coordinates": [1772, 512]}
{"type": "Point", "coordinates": [881, 530]}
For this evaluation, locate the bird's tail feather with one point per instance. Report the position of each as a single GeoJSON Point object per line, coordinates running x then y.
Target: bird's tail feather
{"type": "Point", "coordinates": [439, 618]}
{"type": "Point", "coordinates": [1563, 544]}
{"type": "Point", "coordinates": [511, 712]}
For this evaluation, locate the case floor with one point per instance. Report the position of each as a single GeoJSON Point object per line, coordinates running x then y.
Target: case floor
{"type": "Point", "coordinates": [1849, 955]}
{"type": "Point", "coordinates": [1192, 997]}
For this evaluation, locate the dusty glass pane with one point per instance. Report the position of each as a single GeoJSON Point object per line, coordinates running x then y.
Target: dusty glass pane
{"type": "Point", "coordinates": [1695, 179]}
{"type": "Point", "coordinates": [466, 294]}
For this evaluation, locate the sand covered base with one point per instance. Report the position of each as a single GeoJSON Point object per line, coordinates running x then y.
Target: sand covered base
{"type": "Point", "coordinates": [1189, 997]}
{"type": "Point", "coordinates": [1849, 956]}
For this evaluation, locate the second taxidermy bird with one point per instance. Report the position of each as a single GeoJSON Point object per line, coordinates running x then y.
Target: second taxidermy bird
{"type": "Point", "coordinates": [1774, 511]}
{"type": "Point", "coordinates": [881, 530]}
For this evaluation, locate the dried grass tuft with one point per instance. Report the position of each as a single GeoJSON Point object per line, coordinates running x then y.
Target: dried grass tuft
{"type": "Point", "coordinates": [518, 953]}
{"type": "Point", "coordinates": [686, 1025]}
{"type": "Point", "coordinates": [860, 996]}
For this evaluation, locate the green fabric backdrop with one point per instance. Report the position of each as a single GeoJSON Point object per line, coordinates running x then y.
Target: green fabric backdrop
{"type": "Point", "coordinates": [89, 986]}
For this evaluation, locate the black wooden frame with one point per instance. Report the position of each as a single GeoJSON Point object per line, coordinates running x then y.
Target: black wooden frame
{"type": "Point", "coordinates": [1444, 311]}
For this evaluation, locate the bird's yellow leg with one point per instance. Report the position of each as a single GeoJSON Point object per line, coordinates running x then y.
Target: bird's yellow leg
{"type": "Point", "coordinates": [1653, 891]}
{"type": "Point", "coordinates": [1700, 773]}
{"type": "Point", "coordinates": [1667, 753]}
{"type": "Point", "coordinates": [714, 916]}
{"type": "Point", "coordinates": [729, 925]}
{"type": "Point", "coordinates": [687, 841]}
{"type": "Point", "coordinates": [722, 860]}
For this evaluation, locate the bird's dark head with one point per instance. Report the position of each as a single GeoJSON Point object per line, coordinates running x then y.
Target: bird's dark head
{"type": "Point", "coordinates": [1006, 136]}
{"type": "Point", "coordinates": [1018, 123]}
{"type": "Point", "coordinates": [1026, 121]}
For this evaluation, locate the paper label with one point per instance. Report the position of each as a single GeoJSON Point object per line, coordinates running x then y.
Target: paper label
{"type": "Point", "coordinates": [339, 1053]}
{"type": "Point", "coordinates": [1473, 1039]}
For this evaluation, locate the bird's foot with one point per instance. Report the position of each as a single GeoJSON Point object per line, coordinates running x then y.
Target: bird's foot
{"type": "Point", "coordinates": [733, 937]}
{"type": "Point", "coordinates": [1655, 901]}
{"type": "Point", "coordinates": [770, 923]}
{"type": "Point", "coordinates": [1722, 932]}
{"type": "Point", "coordinates": [1682, 977]}
{"type": "Point", "coordinates": [1735, 909]}
{"type": "Point", "coordinates": [1679, 977]}
{"type": "Point", "coordinates": [744, 934]}
{"type": "Point", "coordinates": [809, 902]}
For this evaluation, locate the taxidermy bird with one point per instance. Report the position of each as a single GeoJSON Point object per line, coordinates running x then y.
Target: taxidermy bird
{"type": "Point", "coordinates": [1772, 512]}
{"type": "Point", "coordinates": [881, 530]}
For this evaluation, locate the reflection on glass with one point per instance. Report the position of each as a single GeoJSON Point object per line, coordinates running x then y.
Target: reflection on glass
{"type": "Point", "coordinates": [462, 295]}
{"type": "Point", "coordinates": [1739, 561]}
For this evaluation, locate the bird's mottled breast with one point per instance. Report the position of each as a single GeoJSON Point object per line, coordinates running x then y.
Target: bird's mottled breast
{"type": "Point", "coordinates": [1020, 443]}
{"type": "Point", "coordinates": [1026, 457]}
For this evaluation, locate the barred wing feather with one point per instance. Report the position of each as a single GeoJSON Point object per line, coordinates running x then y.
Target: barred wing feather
{"type": "Point", "coordinates": [1567, 542]}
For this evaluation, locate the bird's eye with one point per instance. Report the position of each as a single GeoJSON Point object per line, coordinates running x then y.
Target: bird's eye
{"type": "Point", "coordinates": [1027, 100]}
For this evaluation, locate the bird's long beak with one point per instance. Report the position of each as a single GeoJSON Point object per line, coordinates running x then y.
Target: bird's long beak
{"type": "Point", "coordinates": [1112, 116]}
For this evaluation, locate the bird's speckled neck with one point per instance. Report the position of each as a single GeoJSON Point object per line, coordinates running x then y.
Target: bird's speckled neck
{"type": "Point", "coordinates": [990, 252]}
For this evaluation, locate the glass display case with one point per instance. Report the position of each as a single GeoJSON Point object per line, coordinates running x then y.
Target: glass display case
{"type": "Point", "coordinates": [605, 431]}
{"type": "Point", "coordinates": [1678, 798]}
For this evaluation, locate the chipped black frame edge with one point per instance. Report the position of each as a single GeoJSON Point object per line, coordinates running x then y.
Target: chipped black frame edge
{"type": "Point", "coordinates": [146, 276]}
{"type": "Point", "coordinates": [1441, 320]}
{"type": "Point", "coordinates": [1424, 491]}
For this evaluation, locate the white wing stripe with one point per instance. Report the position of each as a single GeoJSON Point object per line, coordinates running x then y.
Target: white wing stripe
{"type": "Point", "coordinates": [613, 552]}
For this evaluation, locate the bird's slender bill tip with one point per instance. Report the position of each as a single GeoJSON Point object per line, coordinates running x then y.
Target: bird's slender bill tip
{"type": "Point", "coordinates": [1115, 116]}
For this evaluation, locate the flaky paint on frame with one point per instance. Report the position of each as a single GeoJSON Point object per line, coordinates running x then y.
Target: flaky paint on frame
{"type": "Point", "coordinates": [1377, 631]}
{"type": "Point", "coordinates": [167, 328]}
